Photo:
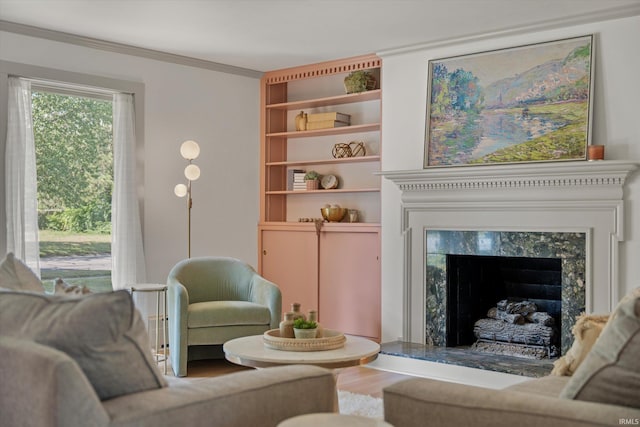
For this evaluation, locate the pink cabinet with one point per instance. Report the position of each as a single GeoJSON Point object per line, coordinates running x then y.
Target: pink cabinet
{"type": "Point", "coordinates": [349, 287]}
{"type": "Point", "coordinates": [289, 258]}
{"type": "Point", "coordinates": [337, 272]}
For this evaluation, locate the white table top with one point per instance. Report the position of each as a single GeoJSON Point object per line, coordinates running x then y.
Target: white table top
{"type": "Point", "coordinates": [148, 287]}
{"type": "Point", "coordinates": [251, 351]}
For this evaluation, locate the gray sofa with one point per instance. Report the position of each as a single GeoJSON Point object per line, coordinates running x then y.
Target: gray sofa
{"type": "Point", "coordinates": [85, 361]}
{"type": "Point", "coordinates": [424, 402]}
{"type": "Point", "coordinates": [604, 390]}
{"type": "Point", "coordinates": [41, 386]}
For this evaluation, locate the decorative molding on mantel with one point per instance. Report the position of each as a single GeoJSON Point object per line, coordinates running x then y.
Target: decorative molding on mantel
{"type": "Point", "coordinates": [607, 175]}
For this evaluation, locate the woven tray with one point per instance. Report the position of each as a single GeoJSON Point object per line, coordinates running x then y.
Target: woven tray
{"type": "Point", "coordinates": [330, 341]}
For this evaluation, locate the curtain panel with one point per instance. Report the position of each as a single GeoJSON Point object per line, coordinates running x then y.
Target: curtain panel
{"type": "Point", "coordinates": [21, 178]}
{"type": "Point", "coordinates": [126, 237]}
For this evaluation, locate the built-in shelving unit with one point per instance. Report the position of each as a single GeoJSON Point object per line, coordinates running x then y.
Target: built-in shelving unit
{"type": "Point", "coordinates": [338, 264]}
{"type": "Point", "coordinates": [319, 88]}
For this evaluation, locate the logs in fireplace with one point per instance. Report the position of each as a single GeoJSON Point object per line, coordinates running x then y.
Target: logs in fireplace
{"type": "Point", "coordinates": [517, 328]}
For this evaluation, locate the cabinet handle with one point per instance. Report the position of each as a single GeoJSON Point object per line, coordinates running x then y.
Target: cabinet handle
{"type": "Point", "coordinates": [264, 252]}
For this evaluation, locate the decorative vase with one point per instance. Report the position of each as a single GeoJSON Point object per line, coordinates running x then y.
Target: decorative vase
{"type": "Point", "coordinates": [295, 310]}
{"type": "Point", "coordinates": [313, 317]}
{"type": "Point", "coordinates": [312, 184]}
{"type": "Point", "coordinates": [359, 81]}
{"type": "Point", "coordinates": [301, 121]}
{"type": "Point", "coordinates": [286, 326]}
{"type": "Point", "coordinates": [305, 334]}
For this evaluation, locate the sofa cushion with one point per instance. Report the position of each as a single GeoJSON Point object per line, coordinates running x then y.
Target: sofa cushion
{"type": "Point", "coordinates": [16, 275]}
{"type": "Point", "coordinates": [102, 332]}
{"type": "Point", "coordinates": [227, 313]}
{"type": "Point", "coordinates": [586, 331]}
{"type": "Point", "coordinates": [610, 373]}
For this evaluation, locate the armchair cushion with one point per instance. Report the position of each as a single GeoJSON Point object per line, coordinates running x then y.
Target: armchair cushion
{"type": "Point", "coordinates": [227, 313]}
{"type": "Point", "coordinates": [102, 332]}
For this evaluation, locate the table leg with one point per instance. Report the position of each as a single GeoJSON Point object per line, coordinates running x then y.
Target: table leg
{"type": "Point", "coordinates": [164, 331]}
{"type": "Point", "coordinates": [157, 326]}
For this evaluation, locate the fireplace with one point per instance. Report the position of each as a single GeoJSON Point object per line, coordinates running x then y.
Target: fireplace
{"type": "Point", "coordinates": [569, 211]}
{"type": "Point", "coordinates": [495, 290]}
{"type": "Point", "coordinates": [468, 272]}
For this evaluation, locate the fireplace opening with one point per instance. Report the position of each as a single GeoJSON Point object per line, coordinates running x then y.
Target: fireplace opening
{"type": "Point", "coordinates": [477, 284]}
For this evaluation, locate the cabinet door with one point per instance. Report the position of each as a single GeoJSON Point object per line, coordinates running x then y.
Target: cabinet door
{"type": "Point", "coordinates": [350, 282]}
{"type": "Point", "coordinates": [290, 260]}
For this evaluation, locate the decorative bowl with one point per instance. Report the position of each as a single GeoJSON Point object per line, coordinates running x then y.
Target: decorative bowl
{"type": "Point", "coordinates": [333, 214]}
{"type": "Point", "coordinates": [330, 340]}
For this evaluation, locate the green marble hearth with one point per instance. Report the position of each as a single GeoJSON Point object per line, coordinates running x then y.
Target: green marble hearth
{"type": "Point", "coordinates": [570, 248]}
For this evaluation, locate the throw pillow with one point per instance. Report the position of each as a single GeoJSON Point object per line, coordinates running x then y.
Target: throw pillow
{"type": "Point", "coordinates": [16, 275]}
{"type": "Point", "coordinates": [631, 295]}
{"type": "Point", "coordinates": [610, 373]}
{"type": "Point", "coordinates": [585, 332]}
{"type": "Point", "coordinates": [64, 288]}
{"type": "Point", "coordinates": [102, 332]}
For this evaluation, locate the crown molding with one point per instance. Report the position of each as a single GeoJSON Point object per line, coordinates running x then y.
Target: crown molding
{"type": "Point", "coordinates": [58, 36]}
{"type": "Point", "coordinates": [585, 18]}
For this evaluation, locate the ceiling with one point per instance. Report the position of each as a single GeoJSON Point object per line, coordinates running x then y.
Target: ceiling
{"type": "Point", "coordinates": [265, 35]}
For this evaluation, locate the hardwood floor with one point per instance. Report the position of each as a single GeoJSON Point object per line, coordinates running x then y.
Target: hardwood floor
{"type": "Point", "coordinates": [357, 379]}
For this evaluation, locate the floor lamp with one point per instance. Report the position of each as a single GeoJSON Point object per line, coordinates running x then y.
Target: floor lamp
{"type": "Point", "coordinates": [190, 150]}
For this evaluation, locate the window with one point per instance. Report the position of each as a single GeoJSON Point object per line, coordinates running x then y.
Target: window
{"type": "Point", "coordinates": [73, 135]}
{"type": "Point", "coordinates": [18, 190]}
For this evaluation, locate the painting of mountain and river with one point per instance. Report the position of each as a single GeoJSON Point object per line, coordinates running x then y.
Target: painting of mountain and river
{"type": "Point", "coordinates": [524, 104]}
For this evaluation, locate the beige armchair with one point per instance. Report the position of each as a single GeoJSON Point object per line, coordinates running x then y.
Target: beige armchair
{"type": "Point", "coordinates": [212, 300]}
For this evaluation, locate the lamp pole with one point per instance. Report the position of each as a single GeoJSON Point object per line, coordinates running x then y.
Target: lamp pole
{"type": "Point", "coordinates": [189, 150]}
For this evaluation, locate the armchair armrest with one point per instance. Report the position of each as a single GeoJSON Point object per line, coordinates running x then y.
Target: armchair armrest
{"type": "Point", "coordinates": [177, 307]}
{"type": "Point", "coordinates": [417, 401]}
{"type": "Point", "coordinates": [266, 293]}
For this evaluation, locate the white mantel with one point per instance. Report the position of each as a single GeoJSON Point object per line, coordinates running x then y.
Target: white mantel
{"type": "Point", "coordinates": [586, 197]}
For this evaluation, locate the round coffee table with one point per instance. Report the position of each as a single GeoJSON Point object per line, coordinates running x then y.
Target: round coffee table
{"type": "Point", "coordinates": [251, 351]}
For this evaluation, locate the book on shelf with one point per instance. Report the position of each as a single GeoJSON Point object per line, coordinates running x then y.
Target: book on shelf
{"type": "Point", "coordinates": [293, 176]}
{"type": "Point", "coordinates": [332, 115]}
{"type": "Point", "coordinates": [326, 124]}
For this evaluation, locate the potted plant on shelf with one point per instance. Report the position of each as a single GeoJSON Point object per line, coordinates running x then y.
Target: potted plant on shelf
{"type": "Point", "coordinates": [359, 81]}
{"type": "Point", "coordinates": [312, 179]}
{"type": "Point", "coordinates": [304, 329]}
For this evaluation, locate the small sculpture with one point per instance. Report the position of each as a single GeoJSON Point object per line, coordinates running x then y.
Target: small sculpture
{"type": "Point", "coordinates": [301, 121]}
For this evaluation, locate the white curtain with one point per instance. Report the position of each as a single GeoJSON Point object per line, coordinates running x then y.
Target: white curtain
{"type": "Point", "coordinates": [126, 237]}
{"type": "Point", "coordinates": [21, 179]}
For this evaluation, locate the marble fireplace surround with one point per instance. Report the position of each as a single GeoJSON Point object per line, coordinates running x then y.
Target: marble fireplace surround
{"type": "Point", "coordinates": [545, 198]}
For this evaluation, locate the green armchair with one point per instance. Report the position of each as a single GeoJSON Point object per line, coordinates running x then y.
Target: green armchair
{"type": "Point", "coordinates": [212, 300]}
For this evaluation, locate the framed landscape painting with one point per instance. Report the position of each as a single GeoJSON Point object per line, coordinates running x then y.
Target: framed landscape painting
{"type": "Point", "coordinates": [523, 104]}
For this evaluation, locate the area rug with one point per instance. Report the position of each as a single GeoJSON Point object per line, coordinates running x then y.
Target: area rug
{"type": "Point", "coordinates": [360, 404]}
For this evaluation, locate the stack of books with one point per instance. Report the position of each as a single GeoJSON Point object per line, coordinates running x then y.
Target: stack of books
{"type": "Point", "coordinates": [327, 120]}
{"type": "Point", "coordinates": [295, 180]}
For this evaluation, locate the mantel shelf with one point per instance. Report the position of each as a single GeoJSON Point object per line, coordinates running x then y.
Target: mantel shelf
{"type": "Point", "coordinates": [330, 131]}
{"type": "Point", "coordinates": [357, 159]}
{"type": "Point", "coordinates": [607, 173]}
{"type": "Point", "coordinates": [328, 101]}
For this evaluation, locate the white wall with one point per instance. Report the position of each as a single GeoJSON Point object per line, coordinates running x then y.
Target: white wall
{"type": "Point", "coordinates": [616, 124]}
{"type": "Point", "coordinates": [218, 110]}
